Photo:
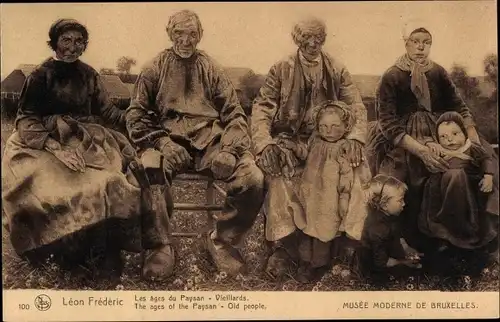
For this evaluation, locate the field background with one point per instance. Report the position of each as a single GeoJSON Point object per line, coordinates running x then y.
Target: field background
{"type": "Point", "coordinates": [194, 269]}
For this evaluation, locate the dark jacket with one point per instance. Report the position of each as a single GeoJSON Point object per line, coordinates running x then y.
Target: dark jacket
{"type": "Point", "coordinates": [271, 108]}
{"type": "Point", "coordinates": [56, 87]}
{"type": "Point", "coordinates": [395, 100]}
{"type": "Point", "coordinates": [188, 98]}
{"type": "Point", "coordinates": [381, 239]}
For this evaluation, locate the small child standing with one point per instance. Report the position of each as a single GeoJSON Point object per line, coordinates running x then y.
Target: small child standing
{"type": "Point", "coordinates": [383, 246]}
{"type": "Point", "coordinates": [323, 199]}
{"type": "Point", "coordinates": [460, 206]}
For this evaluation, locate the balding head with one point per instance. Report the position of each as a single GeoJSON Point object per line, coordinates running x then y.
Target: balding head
{"type": "Point", "coordinates": [185, 30]}
{"type": "Point", "coordinates": [311, 26]}
{"type": "Point", "coordinates": [309, 35]}
{"type": "Point", "coordinates": [183, 17]}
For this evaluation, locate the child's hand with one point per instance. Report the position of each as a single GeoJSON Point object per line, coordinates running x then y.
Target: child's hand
{"type": "Point", "coordinates": [436, 149]}
{"type": "Point", "coordinates": [486, 184]}
{"type": "Point", "coordinates": [413, 254]}
{"type": "Point", "coordinates": [391, 262]}
{"type": "Point", "coordinates": [298, 149]}
{"type": "Point", "coordinates": [410, 252]}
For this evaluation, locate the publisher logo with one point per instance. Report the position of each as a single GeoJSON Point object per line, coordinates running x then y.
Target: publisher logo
{"type": "Point", "coordinates": [43, 302]}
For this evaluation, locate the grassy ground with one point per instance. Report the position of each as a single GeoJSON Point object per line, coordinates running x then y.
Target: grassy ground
{"type": "Point", "coordinates": [195, 271]}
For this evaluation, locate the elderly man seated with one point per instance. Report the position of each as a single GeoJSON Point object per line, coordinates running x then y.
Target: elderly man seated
{"type": "Point", "coordinates": [283, 110]}
{"type": "Point", "coordinates": [185, 107]}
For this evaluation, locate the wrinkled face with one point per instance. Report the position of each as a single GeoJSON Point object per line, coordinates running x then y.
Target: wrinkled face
{"type": "Point", "coordinates": [311, 41]}
{"type": "Point", "coordinates": [330, 127]}
{"type": "Point", "coordinates": [418, 46]}
{"type": "Point", "coordinates": [396, 202]}
{"type": "Point", "coordinates": [70, 46]}
{"type": "Point", "coordinates": [450, 136]}
{"type": "Point", "coordinates": [185, 37]}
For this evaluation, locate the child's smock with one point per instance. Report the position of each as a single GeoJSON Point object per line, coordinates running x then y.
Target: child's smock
{"type": "Point", "coordinates": [327, 179]}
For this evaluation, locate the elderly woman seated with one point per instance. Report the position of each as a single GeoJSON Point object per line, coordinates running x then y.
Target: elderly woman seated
{"type": "Point", "coordinates": [69, 182]}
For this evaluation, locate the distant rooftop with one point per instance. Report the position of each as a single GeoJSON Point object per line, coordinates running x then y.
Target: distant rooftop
{"type": "Point", "coordinates": [130, 88]}
{"type": "Point", "coordinates": [115, 87]}
{"type": "Point", "coordinates": [235, 74]}
{"type": "Point", "coordinates": [26, 69]}
{"type": "Point", "coordinates": [121, 85]}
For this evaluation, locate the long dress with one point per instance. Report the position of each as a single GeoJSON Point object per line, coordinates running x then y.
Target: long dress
{"type": "Point", "coordinates": [400, 112]}
{"type": "Point", "coordinates": [46, 204]}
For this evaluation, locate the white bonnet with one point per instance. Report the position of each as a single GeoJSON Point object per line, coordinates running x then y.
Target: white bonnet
{"type": "Point", "coordinates": [412, 25]}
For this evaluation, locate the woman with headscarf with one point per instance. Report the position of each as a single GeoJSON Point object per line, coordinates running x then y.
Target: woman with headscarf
{"type": "Point", "coordinates": [70, 181]}
{"type": "Point", "coordinates": [411, 95]}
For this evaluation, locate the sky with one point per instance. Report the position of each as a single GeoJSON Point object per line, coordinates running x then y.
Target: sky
{"type": "Point", "coordinates": [365, 36]}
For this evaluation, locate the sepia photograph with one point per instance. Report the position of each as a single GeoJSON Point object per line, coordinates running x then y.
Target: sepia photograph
{"type": "Point", "coordinates": [273, 146]}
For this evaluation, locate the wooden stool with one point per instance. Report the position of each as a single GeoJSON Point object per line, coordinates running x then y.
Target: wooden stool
{"type": "Point", "coordinates": [210, 206]}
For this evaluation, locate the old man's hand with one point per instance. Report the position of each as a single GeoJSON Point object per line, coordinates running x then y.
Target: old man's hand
{"type": "Point", "coordinates": [223, 165]}
{"type": "Point", "coordinates": [354, 152]}
{"type": "Point", "coordinates": [176, 156]}
{"type": "Point", "coordinates": [270, 160]}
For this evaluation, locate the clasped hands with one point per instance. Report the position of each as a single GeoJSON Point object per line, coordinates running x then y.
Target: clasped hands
{"type": "Point", "coordinates": [178, 158]}
{"type": "Point", "coordinates": [435, 158]}
{"type": "Point", "coordinates": [73, 159]}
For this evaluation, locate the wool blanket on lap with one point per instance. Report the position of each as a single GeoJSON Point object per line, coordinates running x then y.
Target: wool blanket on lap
{"type": "Point", "coordinates": [44, 201]}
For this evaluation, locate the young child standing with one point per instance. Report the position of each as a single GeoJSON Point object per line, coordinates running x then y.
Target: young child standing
{"type": "Point", "coordinates": [460, 206]}
{"type": "Point", "coordinates": [383, 246]}
{"type": "Point", "coordinates": [324, 204]}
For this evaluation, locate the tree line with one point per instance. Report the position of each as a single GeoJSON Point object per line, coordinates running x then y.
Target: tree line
{"type": "Point", "coordinates": [467, 85]}
{"type": "Point", "coordinates": [123, 66]}
{"type": "Point", "coordinates": [484, 109]}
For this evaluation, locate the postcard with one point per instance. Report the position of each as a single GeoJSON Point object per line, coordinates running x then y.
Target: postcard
{"type": "Point", "coordinates": [265, 160]}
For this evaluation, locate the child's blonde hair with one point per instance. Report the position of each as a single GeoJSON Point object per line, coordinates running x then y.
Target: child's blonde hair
{"type": "Point", "coordinates": [345, 113]}
{"type": "Point", "coordinates": [377, 192]}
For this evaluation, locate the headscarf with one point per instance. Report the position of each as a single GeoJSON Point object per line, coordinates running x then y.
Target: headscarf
{"type": "Point", "coordinates": [419, 85]}
{"type": "Point", "coordinates": [62, 25]}
{"type": "Point", "coordinates": [411, 25]}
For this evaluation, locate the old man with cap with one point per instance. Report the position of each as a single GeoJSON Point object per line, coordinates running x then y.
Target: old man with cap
{"type": "Point", "coordinates": [284, 110]}
{"type": "Point", "coordinates": [185, 107]}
